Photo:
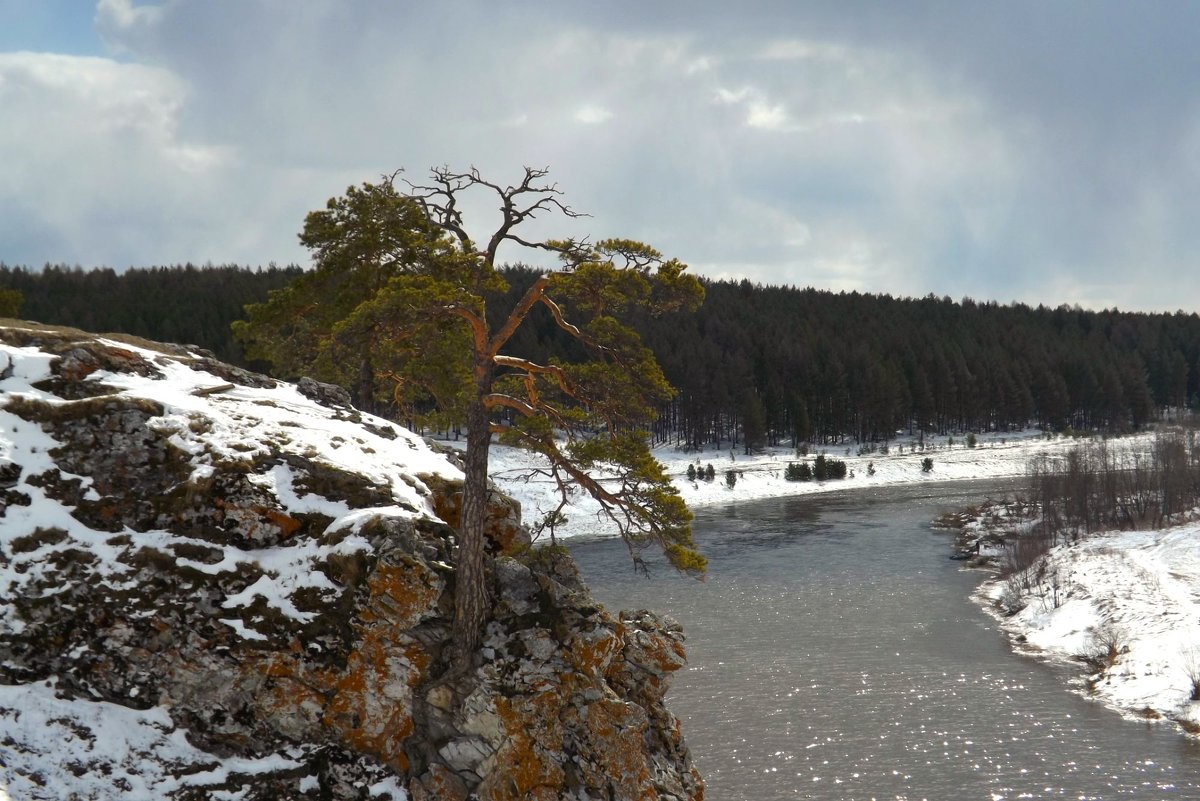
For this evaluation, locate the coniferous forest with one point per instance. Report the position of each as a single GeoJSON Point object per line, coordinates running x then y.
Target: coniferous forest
{"type": "Point", "coordinates": [183, 303]}
{"type": "Point", "coordinates": [762, 365]}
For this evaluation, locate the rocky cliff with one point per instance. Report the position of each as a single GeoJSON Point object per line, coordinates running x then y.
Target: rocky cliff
{"type": "Point", "coordinates": [214, 585]}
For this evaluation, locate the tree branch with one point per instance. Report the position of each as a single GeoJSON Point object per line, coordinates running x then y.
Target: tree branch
{"type": "Point", "coordinates": [439, 201]}
{"type": "Point", "coordinates": [478, 327]}
{"type": "Point", "coordinates": [562, 323]}
{"type": "Point", "coordinates": [498, 400]}
{"type": "Point", "coordinates": [518, 314]}
{"type": "Point", "coordinates": [531, 369]}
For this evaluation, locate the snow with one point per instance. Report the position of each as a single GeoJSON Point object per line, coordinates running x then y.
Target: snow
{"type": "Point", "coordinates": [281, 482]}
{"type": "Point", "coordinates": [1141, 588]}
{"type": "Point", "coordinates": [94, 749]}
{"type": "Point", "coordinates": [996, 455]}
{"type": "Point", "coordinates": [61, 747]}
{"type": "Point", "coordinates": [245, 421]}
{"type": "Point", "coordinates": [386, 788]}
{"type": "Point", "coordinates": [230, 426]}
{"type": "Point", "coordinates": [1145, 584]}
{"type": "Point", "coordinates": [1136, 590]}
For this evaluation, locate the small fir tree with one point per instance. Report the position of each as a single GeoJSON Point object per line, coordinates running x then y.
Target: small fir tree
{"type": "Point", "coordinates": [821, 468]}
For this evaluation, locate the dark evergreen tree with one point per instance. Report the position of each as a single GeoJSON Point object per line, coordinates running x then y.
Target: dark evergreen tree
{"type": "Point", "coordinates": [11, 301]}
{"type": "Point", "coordinates": [754, 422]}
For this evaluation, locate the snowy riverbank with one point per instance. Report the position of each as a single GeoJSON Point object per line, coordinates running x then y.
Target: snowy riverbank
{"type": "Point", "coordinates": [761, 476]}
{"type": "Point", "coordinates": [1126, 607]}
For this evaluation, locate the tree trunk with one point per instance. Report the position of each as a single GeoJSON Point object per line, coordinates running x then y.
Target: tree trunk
{"type": "Point", "coordinates": [471, 592]}
{"type": "Point", "coordinates": [366, 386]}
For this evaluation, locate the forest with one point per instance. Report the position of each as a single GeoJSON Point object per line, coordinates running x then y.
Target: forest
{"type": "Point", "coordinates": [759, 365]}
{"type": "Point", "coordinates": [180, 303]}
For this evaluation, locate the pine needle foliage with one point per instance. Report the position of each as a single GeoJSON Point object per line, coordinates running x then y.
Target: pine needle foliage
{"type": "Point", "coordinates": [397, 305]}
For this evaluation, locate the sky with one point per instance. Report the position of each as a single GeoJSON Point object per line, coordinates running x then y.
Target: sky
{"type": "Point", "coordinates": [1041, 152]}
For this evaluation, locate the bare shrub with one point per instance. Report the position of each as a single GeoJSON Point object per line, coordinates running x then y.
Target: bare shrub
{"type": "Point", "coordinates": [1022, 553]}
{"type": "Point", "coordinates": [1191, 668]}
{"type": "Point", "coordinates": [1107, 644]}
{"type": "Point", "coordinates": [1099, 486]}
{"type": "Point", "coordinates": [1011, 600]}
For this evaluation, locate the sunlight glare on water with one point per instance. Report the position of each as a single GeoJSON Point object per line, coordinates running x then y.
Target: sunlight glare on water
{"type": "Point", "coordinates": [834, 654]}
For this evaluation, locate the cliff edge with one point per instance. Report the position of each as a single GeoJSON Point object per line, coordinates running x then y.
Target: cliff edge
{"type": "Point", "coordinates": [214, 585]}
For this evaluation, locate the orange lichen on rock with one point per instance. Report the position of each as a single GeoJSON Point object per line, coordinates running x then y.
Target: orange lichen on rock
{"type": "Point", "coordinates": [526, 766]}
{"type": "Point", "coordinates": [371, 708]}
{"type": "Point", "coordinates": [287, 524]}
{"type": "Point", "coordinates": [593, 652]}
{"type": "Point", "coordinates": [502, 525]}
{"type": "Point", "coordinates": [615, 734]}
{"type": "Point", "coordinates": [402, 594]}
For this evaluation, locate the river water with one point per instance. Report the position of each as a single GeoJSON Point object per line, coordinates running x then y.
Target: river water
{"type": "Point", "coordinates": [834, 653]}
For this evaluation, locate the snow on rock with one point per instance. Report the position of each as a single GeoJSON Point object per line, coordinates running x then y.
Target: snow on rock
{"type": "Point", "coordinates": [1126, 605]}
{"type": "Point", "coordinates": [217, 586]}
{"type": "Point", "coordinates": [105, 750]}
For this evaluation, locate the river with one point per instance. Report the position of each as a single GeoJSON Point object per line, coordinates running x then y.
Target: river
{"type": "Point", "coordinates": [834, 653]}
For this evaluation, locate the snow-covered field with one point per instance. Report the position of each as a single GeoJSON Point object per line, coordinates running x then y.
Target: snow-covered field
{"type": "Point", "coordinates": [761, 476]}
{"type": "Point", "coordinates": [1126, 606]}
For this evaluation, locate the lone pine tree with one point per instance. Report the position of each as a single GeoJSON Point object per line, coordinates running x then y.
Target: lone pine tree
{"type": "Point", "coordinates": [398, 297]}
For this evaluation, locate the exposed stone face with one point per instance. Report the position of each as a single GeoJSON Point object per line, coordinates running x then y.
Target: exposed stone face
{"type": "Point", "coordinates": [289, 613]}
{"type": "Point", "coordinates": [505, 532]}
{"type": "Point", "coordinates": [329, 395]}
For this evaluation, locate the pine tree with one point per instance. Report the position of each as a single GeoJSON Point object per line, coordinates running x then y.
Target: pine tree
{"type": "Point", "coordinates": [401, 286]}
{"type": "Point", "coordinates": [754, 422]}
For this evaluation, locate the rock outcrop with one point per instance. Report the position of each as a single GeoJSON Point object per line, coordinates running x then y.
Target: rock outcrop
{"type": "Point", "coordinates": [215, 585]}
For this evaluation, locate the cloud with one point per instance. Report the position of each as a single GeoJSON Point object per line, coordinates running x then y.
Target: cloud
{"type": "Point", "coordinates": [120, 20]}
{"type": "Point", "coordinates": [800, 50]}
{"type": "Point", "coordinates": [593, 115]}
{"type": "Point", "coordinates": [103, 165]}
{"type": "Point", "coordinates": [887, 149]}
{"type": "Point", "coordinates": [766, 116]}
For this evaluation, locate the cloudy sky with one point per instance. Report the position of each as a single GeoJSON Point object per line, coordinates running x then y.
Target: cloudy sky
{"type": "Point", "coordinates": [1047, 152]}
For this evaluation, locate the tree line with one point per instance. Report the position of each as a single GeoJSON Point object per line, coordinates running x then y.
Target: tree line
{"type": "Point", "coordinates": [177, 303]}
{"type": "Point", "coordinates": [758, 365]}
{"type": "Point", "coordinates": [768, 365]}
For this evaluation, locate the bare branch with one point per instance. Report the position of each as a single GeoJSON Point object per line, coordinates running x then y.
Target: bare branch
{"type": "Point", "coordinates": [513, 215]}
{"type": "Point", "coordinates": [497, 400]}
{"type": "Point", "coordinates": [518, 314]}
{"type": "Point", "coordinates": [562, 323]}
{"type": "Point", "coordinates": [532, 368]}
{"type": "Point", "coordinates": [439, 200]}
{"type": "Point", "coordinates": [575, 250]}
